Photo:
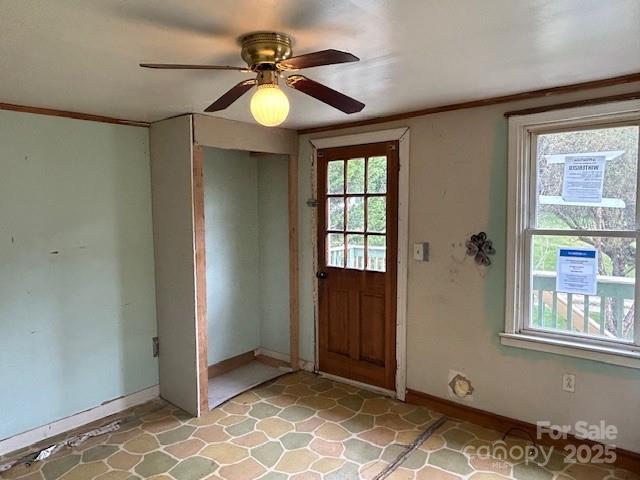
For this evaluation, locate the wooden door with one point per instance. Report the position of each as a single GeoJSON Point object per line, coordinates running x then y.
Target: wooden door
{"type": "Point", "coordinates": [357, 261]}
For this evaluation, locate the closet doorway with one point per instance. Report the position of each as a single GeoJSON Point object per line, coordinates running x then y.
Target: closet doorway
{"type": "Point", "coordinates": [246, 230]}
{"type": "Point", "coordinates": [245, 211]}
{"type": "Point", "coordinates": [186, 278]}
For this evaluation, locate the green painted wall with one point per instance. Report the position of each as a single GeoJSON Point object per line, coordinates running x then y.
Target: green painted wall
{"type": "Point", "coordinates": [77, 299]}
{"type": "Point", "coordinates": [247, 253]}
{"type": "Point", "coordinates": [274, 252]}
{"type": "Point", "coordinates": [233, 280]}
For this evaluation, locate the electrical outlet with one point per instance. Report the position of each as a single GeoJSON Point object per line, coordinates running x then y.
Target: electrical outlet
{"type": "Point", "coordinates": [569, 382]}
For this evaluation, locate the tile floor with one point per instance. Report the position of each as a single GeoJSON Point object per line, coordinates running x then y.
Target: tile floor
{"type": "Point", "coordinates": [297, 427]}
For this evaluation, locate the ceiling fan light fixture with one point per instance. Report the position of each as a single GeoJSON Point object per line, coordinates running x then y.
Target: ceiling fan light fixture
{"type": "Point", "coordinates": [269, 56]}
{"type": "Point", "coordinates": [269, 105]}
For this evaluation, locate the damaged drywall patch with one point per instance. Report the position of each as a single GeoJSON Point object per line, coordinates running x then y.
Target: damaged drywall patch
{"type": "Point", "coordinates": [460, 387]}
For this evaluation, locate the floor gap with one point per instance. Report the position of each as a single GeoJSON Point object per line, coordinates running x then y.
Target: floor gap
{"type": "Point", "coordinates": [412, 447]}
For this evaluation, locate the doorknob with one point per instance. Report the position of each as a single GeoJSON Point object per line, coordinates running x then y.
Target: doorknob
{"type": "Point", "coordinates": [321, 275]}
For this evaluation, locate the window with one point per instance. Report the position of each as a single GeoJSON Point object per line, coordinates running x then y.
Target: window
{"type": "Point", "coordinates": [357, 215]}
{"type": "Point", "coordinates": [573, 228]}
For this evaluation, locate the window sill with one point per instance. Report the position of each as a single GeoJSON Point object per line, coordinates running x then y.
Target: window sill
{"type": "Point", "coordinates": [613, 356]}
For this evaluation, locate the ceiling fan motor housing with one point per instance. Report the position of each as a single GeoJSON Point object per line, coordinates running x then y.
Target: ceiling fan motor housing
{"type": "Point", "coordinates": [264, 49]}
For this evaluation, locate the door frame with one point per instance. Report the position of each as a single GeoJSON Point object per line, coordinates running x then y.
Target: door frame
{"type": "Point", "coordinates": [403, 137]}
{"type": "Point", "coordinates": [225, 134]}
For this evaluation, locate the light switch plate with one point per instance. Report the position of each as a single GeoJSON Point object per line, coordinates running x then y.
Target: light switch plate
{"type": "Point", "coordinates": [421, 251]}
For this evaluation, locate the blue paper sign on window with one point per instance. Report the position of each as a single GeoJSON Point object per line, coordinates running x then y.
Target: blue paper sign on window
{"type": "Point", "coordinates": [577, 270]}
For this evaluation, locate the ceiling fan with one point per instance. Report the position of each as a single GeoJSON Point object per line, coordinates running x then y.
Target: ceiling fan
{"type": "Point", "coordinates": [269, 55]}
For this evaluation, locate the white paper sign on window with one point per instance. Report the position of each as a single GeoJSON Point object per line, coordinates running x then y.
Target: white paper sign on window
{"type": "Point", "coordinates": [583, 179]}
{"type": "Point", "coordinates": [577, 270]}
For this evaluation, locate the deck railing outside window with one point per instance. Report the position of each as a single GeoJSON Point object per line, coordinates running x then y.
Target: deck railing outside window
{"type": "Point", "coordinates": [355, 256]}
{"type": "Point", "coordinates": [608, 314]}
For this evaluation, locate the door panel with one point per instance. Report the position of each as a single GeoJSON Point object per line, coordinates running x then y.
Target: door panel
{"type": "Point", "coordinates": [338, 327]}
{"type": "Point", "coordinates": [372, 321]}
{"type": "Point", "coordinates": [357, 258]}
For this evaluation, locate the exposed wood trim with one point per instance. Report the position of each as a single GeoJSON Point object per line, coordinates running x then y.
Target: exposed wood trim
{"type": "Point", "coordinates": [545, 92]}
{"type": "Point", "coordinates": [294, 304]}
{"type": "Point", "coordinates": [284, 358]}
{"type": "Point", "coordinates": [75, 115]}
{"type": "Point", "coordinates": [624, 458]}
{"type": "Point", "coordinates": [200, 275]}
{"type": "Point", "coordinates": [232, 363]}
{"type": "Point", "coordinates": [577, 103]}
{"type": "Point", "coordinates": [271, 361]}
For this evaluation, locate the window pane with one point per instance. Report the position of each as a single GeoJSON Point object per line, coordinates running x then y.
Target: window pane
{"type": "Point", "coordinates": [355, 214]}
{"type": "Point", "coordinates": [377, 175]}
{"type": "Point", "coordinates": [376, 214]}
{"type": "Point", "coordinates": [335, 250]}
{"type": "Point", "coordinates": [377, 253]}
{"type": "Point", "coordinates": [587, 179]}
{"type": "Point", "coordinates": [355, 251]}
{"type": "Point", "coordinates": [565, 305]}
{"type": "Point", "coordinates": [335, 213]}
{"type": "Point", "coordinates": [355, 175]}
{"type": "Point", "coordinates": [335, 176]}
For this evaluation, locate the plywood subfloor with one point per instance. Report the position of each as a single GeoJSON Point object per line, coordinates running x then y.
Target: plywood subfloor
{"type": "Point", "coordinates": [239, 380]}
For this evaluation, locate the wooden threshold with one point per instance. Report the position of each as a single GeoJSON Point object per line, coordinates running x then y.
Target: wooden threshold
{"type": "Point", "coordinates": [232, 363]}
{"type": "Point", "coordinates": [75, 115]}
{"type": "Point", "coordinates": [544, 92]}
{"type": "Point", "coordinates": [624, 458]}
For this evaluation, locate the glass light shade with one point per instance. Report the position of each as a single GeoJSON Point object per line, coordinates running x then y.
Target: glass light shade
{"type": "Point", "coordinates": [269, 105]}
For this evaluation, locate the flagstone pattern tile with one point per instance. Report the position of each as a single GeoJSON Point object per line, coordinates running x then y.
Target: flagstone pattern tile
{"type": "Point", "coordinates": [298, 427]}
{"type": "Point", "coordinates": [460, 450]}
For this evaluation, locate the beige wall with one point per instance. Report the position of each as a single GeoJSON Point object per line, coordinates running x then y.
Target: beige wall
{"type": "Point", "coordinates": [458, 186]}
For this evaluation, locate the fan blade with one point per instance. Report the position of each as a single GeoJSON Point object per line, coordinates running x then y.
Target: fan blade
{"type": "Point", "coordinates": [324, 94]}
{"type": "Point", "coordinates": [316, 59]}
{"type": "Point", "coordinates": [178, 66]}
{"type": "Point", "coordinates": [231, 96]}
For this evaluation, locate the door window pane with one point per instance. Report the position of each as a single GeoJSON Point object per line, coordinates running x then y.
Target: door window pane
{"type": "Point", "coordinates": [355, 214]}
{"type": "Point", "coordinates": [377, 253]}
{"type": "Point", "coordinates": [335, 250]}
{"type": "Point", "coordinates": [335, 213]}
{"type": "Point", "coordinates": [377, 175]}
{"type": "Point", "coordinates": [586, 179]}
{"type": "Point", "coordinates": [609, 313]}
{"type": "Point", "coordinates": [335, 177]}
{"type": "Point", "coordinates": [355, 251]}
{"type": "Point", "coordinates": [376, 214]}
{"type": "Point", "coordinates": [355, 175]}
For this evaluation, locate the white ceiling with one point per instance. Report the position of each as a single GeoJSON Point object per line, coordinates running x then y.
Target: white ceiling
{"type": "Point", "coordinates": [83, 55]}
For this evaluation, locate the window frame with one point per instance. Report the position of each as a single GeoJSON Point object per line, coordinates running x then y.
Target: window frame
{"type": "Point", "coordinates": [521, 211]}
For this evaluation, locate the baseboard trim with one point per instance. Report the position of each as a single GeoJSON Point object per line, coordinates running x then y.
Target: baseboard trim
{"type": "Point", "coordinates": [624, 458]}
{"type": "Point", "coordinates": [283, 357]}
{"type": "Point", "coordinates": [76, 420]}
{"type": "Point", "coordinates": [232, 363]}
